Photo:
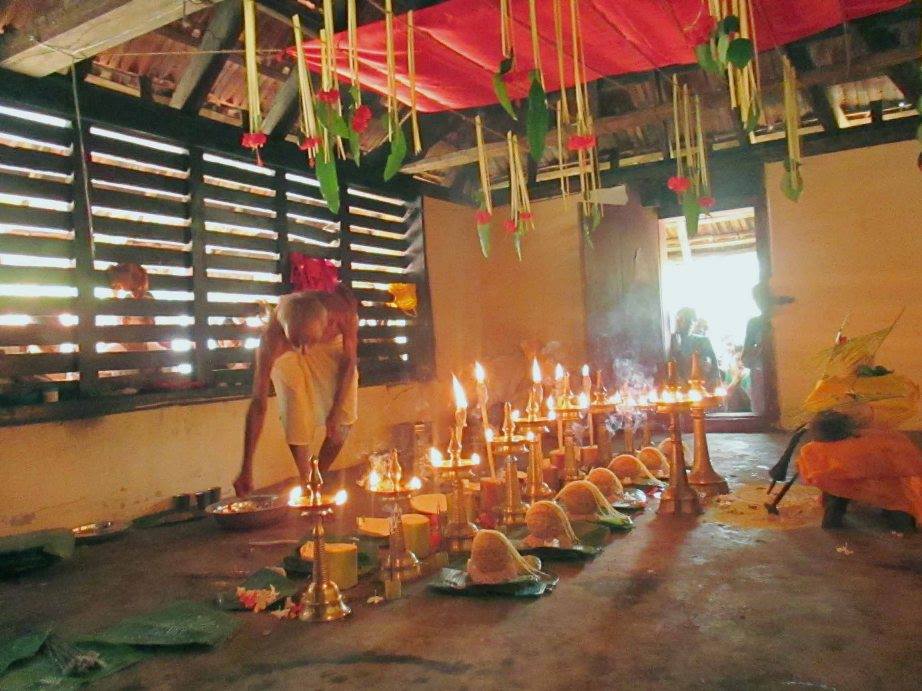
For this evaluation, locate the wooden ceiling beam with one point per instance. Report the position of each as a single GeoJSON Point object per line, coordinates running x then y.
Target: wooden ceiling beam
{"type": "Point", "coordinates": [872, 65]}
{"type": "Point", "coordinates": [879, 37]}
{"type": "Point", "coordinates": [78, 29]}
{"type": "Point", "coordinates": [204, 69]}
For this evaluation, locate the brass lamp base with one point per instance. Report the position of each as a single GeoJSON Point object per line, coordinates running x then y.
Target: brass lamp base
{"type": "Point", "coordinates": [538, 492]}
{"type": "Point", "coordinates": [404, 566]}
{"type": "Point", "coordinates": [680, 499]}
{"type": "Point", "coordinates": [513, 518]}
{"type": "Point", "coordinates": [709, 484]}
{"type": "Point", "coordinates": [323, 602]}
{"type": "Point", "coordinates": [458, 537]}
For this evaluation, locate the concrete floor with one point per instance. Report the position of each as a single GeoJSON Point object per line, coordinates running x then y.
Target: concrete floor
{"type": "Point", "coordinates": [677, 603]}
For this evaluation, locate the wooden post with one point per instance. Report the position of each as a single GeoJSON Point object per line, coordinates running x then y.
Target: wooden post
{"type": "Point", "coordinates": [201, 358]}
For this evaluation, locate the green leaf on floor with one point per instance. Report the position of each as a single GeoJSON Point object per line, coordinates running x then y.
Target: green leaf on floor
{"type": "Point", "coordinates": [20, 648]}
{"type": "Point", "coordinates": [182, 623]}
{"type": "Point", "coordinates": [41, 672]}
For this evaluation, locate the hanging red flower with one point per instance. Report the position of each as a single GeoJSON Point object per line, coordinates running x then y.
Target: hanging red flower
{"type": "Point", "coordinates": [581, 142]}
{"type": "Point", "coordinates": [361, 118]}
{"type": "Point", "coordinates": [253, 140]}
{"type": "Point", "coordinates": [330, 97]}
{"type": "Point", "coordinates": [526, 216]}
{"type": "Point", "coordinates": [482, 217]}
{"type": "Point", "coordinates": [701, 31]}
{"type": "Point", "coordinates": [309, 143]}
{"type": "Point", "coordinates": [509, 225]}
{"type": "Point", "coordinates": [678, 184]}
{"type": "Point", "coordinates": [312, 273]}
{"type": "Point", "coordinates": [706, 202]}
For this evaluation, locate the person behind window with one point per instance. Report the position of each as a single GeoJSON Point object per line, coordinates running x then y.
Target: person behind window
{"type": "Point", "coordinates": [684, 343]}
{"type": "Point", "coordinates": [309, 352]}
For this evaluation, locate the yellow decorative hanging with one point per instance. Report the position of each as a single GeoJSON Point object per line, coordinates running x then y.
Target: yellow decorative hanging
{"type": "Point", "coordinates": [691, 183]}
{"type": "Point", "coordinates": [253, 139]}
{"type": "Point", "coordinates": [405, 298]}
{"type": "Point", "coordinates": [310, 141]}
{"type": "Point", "coordinates": [792, 183]}
{"type": "Point", "coordinates": [411, 70]}
{"type": "Point", "coordinates": [485, 214]}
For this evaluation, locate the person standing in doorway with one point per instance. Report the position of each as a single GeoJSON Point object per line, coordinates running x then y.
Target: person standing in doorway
{"type": "Point", "coordinates": [683, 343]}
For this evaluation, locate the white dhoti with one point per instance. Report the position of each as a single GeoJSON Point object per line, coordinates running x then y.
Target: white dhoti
{"type": "Point", "coordinates": [305, 384]}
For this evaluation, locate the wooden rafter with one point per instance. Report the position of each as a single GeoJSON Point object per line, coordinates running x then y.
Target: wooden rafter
{"type": "Point", "coordinates": [818, 96]}
{"type": "Point", "coordinates": [78, 29]}
{"type": "Point", "coordinates": [204, 69]}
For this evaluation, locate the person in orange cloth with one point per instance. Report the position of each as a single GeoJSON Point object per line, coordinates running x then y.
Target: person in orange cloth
{"type": "Point", "coordinates": [857, 453]}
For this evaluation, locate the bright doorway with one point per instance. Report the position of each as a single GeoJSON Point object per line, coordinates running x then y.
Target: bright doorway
{"type": "Point", "coordinates": [706, 288]}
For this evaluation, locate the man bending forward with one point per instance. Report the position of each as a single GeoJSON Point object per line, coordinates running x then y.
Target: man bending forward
{"type": "Point", "coordinates": [309, 352]}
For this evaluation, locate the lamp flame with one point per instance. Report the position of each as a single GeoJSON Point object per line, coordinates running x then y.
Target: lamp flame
{"type": "Point", "coordinates": [583, 400]}
{"type": "Point", "coordinates": [414, 484]}
{"type": "Point", "coordinates": [558, 372]}
{"type": "Point", "coordinates": [436, 459]}
{"type": "Point", "coordinates": [475, 458]}
{"type": "Point", "coordinates": [585, 370]}
{"type": "Point", "coordinates": [479, 373]}
{"type": "Point", "coordinates": [294, 496]}
{"type": "Point", "coordinates": [535, 371]}
{"type": "Point", "coordinates": [488, 433]}
{"type": "Point", "coordinates": [340, 497]}
{"type": "Point", "coordinates": [695, 396]}
{"type": "Point", "coordinates": [373, 480]}
{"type": "Point", "coordinates": [460, 396]}
{"type": "Point", "coordinates": [720, 391]}
{"type": "Point", "coordinates": [529, 435]}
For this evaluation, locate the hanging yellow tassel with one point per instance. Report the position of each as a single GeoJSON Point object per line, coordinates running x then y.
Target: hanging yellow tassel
{"type": "Point", "coordinates": [353, 35]}
{"type": "Point", "coordinates": [561, 74]}
{"type": "Point", "coordinates": [411, 69]}
{"type": "Point", "coordinates": [792, 182]}
{"type": "Point", "coordinates": [254, 139]}
{"type": "Point", "coordinates": [482, 165]}
{"type": "Point", "coordinates": [535, 40]}
{"type": "Point", "coordinates": [391, 68]}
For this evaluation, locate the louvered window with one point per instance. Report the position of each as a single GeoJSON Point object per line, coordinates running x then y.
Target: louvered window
{"type": "Point", "coordinates": [214, 233]}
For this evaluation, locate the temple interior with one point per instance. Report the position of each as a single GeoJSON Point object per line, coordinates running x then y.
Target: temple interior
{"type": "Point", "coordinates": [342, 345]}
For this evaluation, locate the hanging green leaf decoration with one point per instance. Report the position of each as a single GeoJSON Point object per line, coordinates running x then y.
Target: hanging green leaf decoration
{"type": "Point", "coordinates": [483, 232]}
{"type": "Point", "coordinates": [331, 120]}
{"type": "Point", "coordinates": [502, 94]}
{"type": "Point", "coordinates": [705, 55]}
{"type": "Point", "coordinates": [355, 146]}
{"type": "Point", "coordinates": [723, 45]}
{"type": "Point", "coordinates": [538, 120]}
{"type": "Point", "coordinates": [397, 154]}
{"type": "Point", "coordinates": [327, 177]}
{"type": "Point", "coordinates": [740, 52]}
{"type": "Point", "coordinates": [752, 119]}
{"type": "Point", "coordinates": [792, 184]}
{"type": "Point", "coordinates": [730, 24]}
{"type": "Point", "coordinates": [691, 209]}
{"type": "Point", "coordinates": [517, 243]}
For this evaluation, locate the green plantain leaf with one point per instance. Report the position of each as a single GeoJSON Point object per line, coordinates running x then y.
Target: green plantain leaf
{"type": "Point", "coordinates": [730, 24]}
{"type": "Point", "coordinates": [329, 183]}
{"type": "Point", "coordinates": [331, 120]}
{"type": "Point", "coordinates": [538, 119]}
{"type": "Point", "coordinates": [502, 94]}
{"type": "Point", "coordinates": [20, 648]}
{"type": "Point", "coordinates": [792, 184]}
{"type": "Point", "coordinates": [505, 66]}
{"type": "Point", "coordinates": [517, 243]}
{"type": "Point", "coordinates": [691, 209]}
{"type": "Point", "coordinates": [483, 232]}
{"type": "Point", "coordinates": [752, 120]}
{"type": "Point", "coordinates": [397, 154]}
{"type": "Point", "coordinates": [705, 55]}
{"type": "Point", "coordinates": [723, 45]}
{"type": "Point", "coordinates": [740, 52]}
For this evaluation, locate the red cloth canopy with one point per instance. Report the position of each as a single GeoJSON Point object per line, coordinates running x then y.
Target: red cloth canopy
{"type": "Point", "coordinates": [458, 42]}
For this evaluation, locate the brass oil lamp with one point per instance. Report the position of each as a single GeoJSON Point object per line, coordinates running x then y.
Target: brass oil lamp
{"type": "Point", "coordinates": [459, 531]}
{"type": "Point", "coordinates": [703, 477]}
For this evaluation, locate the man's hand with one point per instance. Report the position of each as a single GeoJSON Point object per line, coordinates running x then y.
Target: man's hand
{"type": "Point", "coordinates": [336, 430]}
{"type": "Point", "coordinates": [243, 485]}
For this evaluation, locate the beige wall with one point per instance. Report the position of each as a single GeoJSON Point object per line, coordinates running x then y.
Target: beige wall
{"type": "Point", "coordinates": [852, 244]}
{"type": "Point", "coordinates": [121, 466]}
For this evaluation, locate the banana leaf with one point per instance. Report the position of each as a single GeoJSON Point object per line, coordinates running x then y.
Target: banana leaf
{"type": "Point", "coordinates": [691, 209]}
{"type": "Point", "coordinates": [517, 243]}
{"type": "Point", "coordinates": [577, 552]}
{"type": "Point", "coordinates": [792, 183]}
{"type": "Point", "coordinates": [328, 179]}
{"type": "Point", "coordinates": [723, 47]}
{"type": "Point", "coordinates": [483, 232]}
{"type": "Point", "coordinates": [740, 52]}
{"type": "Point", "coordinates": [397, 154]}
{"type": "Point", "coordinates": [183, 623]}
{"type": "Point", "coordinates": [41, 672]}
{"type": "Point", "coordinates": [20, 648]}
{"type": "Point", "coordinates": [502, 94]}
{"type": "Point", "coordinates": [28, 551]}
{"type": "Point", "coordinates": [367, 556]}
{"type": "Point", "coordinates": [752, 118]}
{"type": "Point", "coordinates": [538, 117]}
{"type": "Point", "coordinates": [456, 582]}
{"type": "Point", "coordinates": [355, 146]}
